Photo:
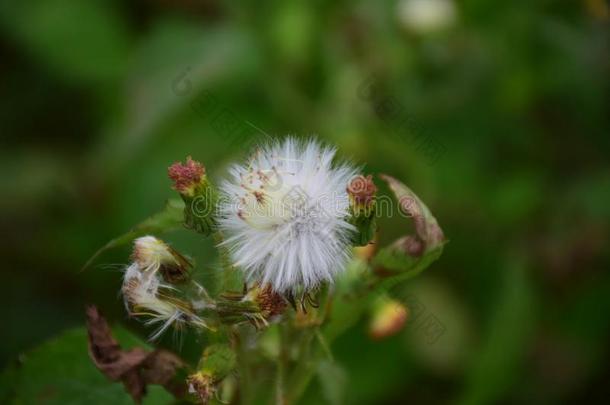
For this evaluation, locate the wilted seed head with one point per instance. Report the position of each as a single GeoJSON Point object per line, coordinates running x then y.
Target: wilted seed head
{"type": "Point", "coordinates": [145, 292]}
{"type": "Point", "coordinates": [187, 177]}
{"type": "Point", "coordinates": [152, 254]}
{"type": "Point", "coordinates": [389, 316]}
{"type": "Point", "coordinates": [146, 296]}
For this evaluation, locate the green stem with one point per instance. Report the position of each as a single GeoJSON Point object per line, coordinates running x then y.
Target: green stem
{"type": "Point", "coordinates": [225, 261]}
{"type": "Point", "coordinates": [282, 365]}
{"type": "Point", "coordinates": [304, 370]}
{"type": "Point", "coordinates": [243, 368]}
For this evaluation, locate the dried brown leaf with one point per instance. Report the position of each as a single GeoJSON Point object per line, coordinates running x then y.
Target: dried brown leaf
{"type": "Point", "coordinates": [135, 368]}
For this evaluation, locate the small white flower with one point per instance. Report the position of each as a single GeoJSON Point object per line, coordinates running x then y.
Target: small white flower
{"type": "Point", "coordinates": [284, 213]}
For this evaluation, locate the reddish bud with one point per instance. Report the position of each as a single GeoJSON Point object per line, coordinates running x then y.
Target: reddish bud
{"type": "Point", "coordinates": [187, 177]}
{"type": "Point", "coordinates": [362, 190]}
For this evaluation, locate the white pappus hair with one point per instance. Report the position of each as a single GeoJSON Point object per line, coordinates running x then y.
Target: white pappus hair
{"type": "Point", "coordinates": [285, 215]}
{"type": "Point", "coordinates": [145, 294]}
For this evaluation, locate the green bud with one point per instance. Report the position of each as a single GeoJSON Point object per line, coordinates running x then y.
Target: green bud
{"type": "Point", "coordinates": [388, 317]}
{"type": "Point", "coordinates": [217, 362]}
{"type": "Point", "coordinates": [258, 305]}
{"type": "Point", "coordinates": [199, 195]}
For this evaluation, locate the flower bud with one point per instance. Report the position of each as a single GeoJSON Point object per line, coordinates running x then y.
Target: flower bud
{"type": "Point", "coordinates": [188, 178]}
{"type": "Point", "coordinates": [270, 302]}
{"type": "Point", "coordinates": [199, 195]}
{"type": "Point", "coordinates": [258, 305]}
{"type": "Point", "coordinates": [217, 362]}
{"type": "Point", "coordinates": [361, 191]}
{"type": "Point", "coordinates": [427, 231]}
{"type": "Point", "coordinates": [388, 318]}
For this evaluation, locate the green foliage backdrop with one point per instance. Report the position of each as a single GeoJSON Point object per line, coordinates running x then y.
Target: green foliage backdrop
{"type": "Point", "coordinates": [498, 117]}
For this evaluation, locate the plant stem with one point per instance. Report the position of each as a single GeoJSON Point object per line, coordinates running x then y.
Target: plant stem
{"type": "Point", "coordinates": [218, 238]}
{"type": "Point", "coordinates": [303, 372]}
{"type": "Point", "coordinates": [225, 261]}
{"type": "Point", "coordinates": [242, 365]}
{"type": "Point", "coordinates": [282, 365]}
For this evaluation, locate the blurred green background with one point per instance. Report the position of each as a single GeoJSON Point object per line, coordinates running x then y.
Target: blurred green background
{"type": "Point", "coordinates": [98, 97]}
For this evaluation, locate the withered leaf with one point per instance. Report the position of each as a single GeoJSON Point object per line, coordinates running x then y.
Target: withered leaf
{"type": "Point", "coordinates": [135, 368]}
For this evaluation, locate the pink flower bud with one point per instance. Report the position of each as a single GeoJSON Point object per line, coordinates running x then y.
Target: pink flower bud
{"type": "Point", "coordinates": [187, 177]}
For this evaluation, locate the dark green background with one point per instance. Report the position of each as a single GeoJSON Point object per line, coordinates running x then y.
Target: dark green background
{"type": "Point", "coordinates": [97, 98]}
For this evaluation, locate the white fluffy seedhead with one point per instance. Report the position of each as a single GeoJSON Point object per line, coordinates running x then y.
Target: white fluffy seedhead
{"type": "Point", "coordinates": [284, 213]}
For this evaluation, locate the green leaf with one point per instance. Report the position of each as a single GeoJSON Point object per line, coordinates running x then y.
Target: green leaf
{"type": "Point", "coordinates": [333, 380]}
{"type": "Point", "coordinates": [402, 265]}
{"type": "Point", "coordinates": [171, 217]}
{"type": "Point", "coordinates": [61, 372]}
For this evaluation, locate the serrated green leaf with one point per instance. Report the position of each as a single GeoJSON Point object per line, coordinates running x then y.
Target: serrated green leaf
{"type": "Point", "coordinates": [61, 372]}
{"type": "Point", "coordinates": [171, 217]}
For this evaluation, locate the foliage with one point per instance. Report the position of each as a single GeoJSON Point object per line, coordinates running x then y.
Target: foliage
{"type": "Point", "coordinates": [94, 106]}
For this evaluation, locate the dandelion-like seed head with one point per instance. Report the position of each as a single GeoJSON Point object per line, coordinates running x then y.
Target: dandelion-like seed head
{"type": "Point", "coordinates": [285, 215]}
